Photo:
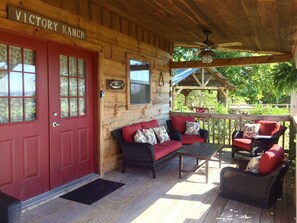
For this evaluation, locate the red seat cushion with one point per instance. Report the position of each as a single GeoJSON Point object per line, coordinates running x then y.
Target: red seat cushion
{"type": "Point", "coordinates": [243, 143]}
{"type": "Point", "coordinates": [161, 151]}
{"type": "Point", "coordinates": [150, 124]}
{"type": "Point", "coordinates": [179, 122]}
{"type": "Point", "coordinates": [173, 145]}
{"type": "Point", "coordinates": [128, 132]}
{"type": "Point", "coordinates": [271, 159]}
{"type": "Point", "coordinates": [190, 139]}
{"type": "Point", "coordinates": [268, 127]}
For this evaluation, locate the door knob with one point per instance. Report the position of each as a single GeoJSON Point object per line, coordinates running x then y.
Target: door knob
{"type": "Point", "coordinates": [55, 124]}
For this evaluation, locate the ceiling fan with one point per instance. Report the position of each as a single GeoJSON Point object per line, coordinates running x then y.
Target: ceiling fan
{"type": "Point", "coordinates": [207, 46]}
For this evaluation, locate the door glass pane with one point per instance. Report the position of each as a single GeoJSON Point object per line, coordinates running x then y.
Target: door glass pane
{"type": "Point", "coordinates": [30, 109]}
{"type": "Point", "coordinates": [73, 106]}
{"type": "Point", "coordinates": [82, 106]}
{"type": "Point", "coordinates": [73, 67]}
{"type": "Point", "coordinates": [16, 110]}
{"type": "Point", "coordinates": [64, 107]}
{"type": "Point", "coordinates": [17, 87]}
{"type": "Point", "coordinates": [63, 86]}
{"type": "Point", "coordinates": [3, 56]}
{"type": "Point", "coordinates": [81, 68]}
{"type": "Point", "coordinates": [30, 87]}
{"type": "Point", "coordinates": [4, 110]}
{"type": "Point", "coordinates": [15, 58]}
{"type": "Point", "coordinates": [16, 84]}
{"type": "Point", "coordinates": [29, 61]}
{"type": "Point", "coordinates": [3, 83]}
{"type": "Point", "coordinates": [81, 87]}
{"type": "Point", "coordinates": [73, 87]}
{"type": "Point", "coordinates": [63, 65]}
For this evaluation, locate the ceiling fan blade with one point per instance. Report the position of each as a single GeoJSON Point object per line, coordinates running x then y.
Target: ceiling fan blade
{"type": "Point", "coordinates": [228, 44]}
{"type": "Point", "coordinates": [187, 45]}
{"type": "Point", "coordinates": [201, 44]}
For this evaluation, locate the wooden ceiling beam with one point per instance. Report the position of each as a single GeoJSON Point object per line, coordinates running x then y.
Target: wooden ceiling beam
{"type": "Point", "coordinates": [197, 88]}
{"type": "Point", "coordinates": [234, 61]}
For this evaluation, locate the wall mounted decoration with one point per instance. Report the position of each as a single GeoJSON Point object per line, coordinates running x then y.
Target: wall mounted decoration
{"type": "Point", "coordinates": [115, 84]}
{"type": "Point", "coordinates": [161, 79]}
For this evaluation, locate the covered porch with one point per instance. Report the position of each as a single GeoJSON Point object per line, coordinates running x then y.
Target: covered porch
{"type": "Point", "coordinates": [117, 32]}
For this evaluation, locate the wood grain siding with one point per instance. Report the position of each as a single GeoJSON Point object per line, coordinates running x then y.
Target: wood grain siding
{"type": "Point", "coordinates": [113, 37]}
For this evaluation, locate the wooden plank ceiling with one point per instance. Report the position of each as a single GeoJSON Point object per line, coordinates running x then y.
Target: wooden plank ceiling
{"type": "Point", "coordinates": [266, 26]}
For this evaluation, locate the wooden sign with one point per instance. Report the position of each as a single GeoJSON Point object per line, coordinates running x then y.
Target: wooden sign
{"type": "Point", "coordinates": [115, 84]}
{"type": "Point", "coordinates": [33, 19]}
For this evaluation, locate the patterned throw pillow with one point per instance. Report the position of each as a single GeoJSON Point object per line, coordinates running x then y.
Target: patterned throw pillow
{"type": "Point", "coordinates": [139, 137]}
{"type": "Point", "coordinates": [192, 128]}
{"type": "Point", "coordinates": [251, 130]}
{"type": "Point", "coordinates": [254, 165]}
{"type": "Point", "coordinates": [150, 136]}
{"type": "Point", "coordinates": [161, 134]}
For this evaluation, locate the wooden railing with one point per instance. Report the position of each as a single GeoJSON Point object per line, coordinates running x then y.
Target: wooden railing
{"type": "Point", "coordinates": [221, 126]}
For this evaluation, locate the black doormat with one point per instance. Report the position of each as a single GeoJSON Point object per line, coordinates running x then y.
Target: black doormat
{"type": "Point", "coordinates": [92, 192]}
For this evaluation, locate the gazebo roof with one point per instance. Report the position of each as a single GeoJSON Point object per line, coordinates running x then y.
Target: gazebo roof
{"type": "Point", "coordinates": [200, 79]}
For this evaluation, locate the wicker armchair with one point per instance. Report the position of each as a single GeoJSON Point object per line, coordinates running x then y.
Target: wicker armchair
{"type": "Point", "coordinates": [254, 189]}
{"type": "Point", "coordinates": [10, 209]}
{"type": "Point", "coordinates": [142, 154]}
{"type": "Point", "coordinates": [258, 144]}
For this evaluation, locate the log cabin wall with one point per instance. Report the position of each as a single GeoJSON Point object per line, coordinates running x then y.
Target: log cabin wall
{"type": "Point", "coordinates": [114, 38]}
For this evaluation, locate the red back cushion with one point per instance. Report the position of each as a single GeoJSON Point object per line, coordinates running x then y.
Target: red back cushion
{"type": "Point", "coordinates": [271, 159]}
{"type": "Point", "coordinates": [128, 132]}
{"type": "Point", "coordinates": [268, 127]}
{"type": "Point", "coordinates": [179, 122]}
{"type": "Point", "coordinates": [150, 124]}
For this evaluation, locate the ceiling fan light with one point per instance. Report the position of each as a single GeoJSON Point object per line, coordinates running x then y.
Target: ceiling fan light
{"type": "Point", "coordinates": [207, 58]}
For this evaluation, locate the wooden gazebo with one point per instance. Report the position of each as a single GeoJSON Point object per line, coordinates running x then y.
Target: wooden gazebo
{"type": "Point", "coordinates": [186, 80]}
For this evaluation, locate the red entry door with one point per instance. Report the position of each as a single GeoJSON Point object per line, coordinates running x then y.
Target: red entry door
{"type": "Point", "coordinates": [24, 144]}
{"type": "Point", "coordinates": [71, 114]}
{"type": "Point", "coordinates": [46, 115]}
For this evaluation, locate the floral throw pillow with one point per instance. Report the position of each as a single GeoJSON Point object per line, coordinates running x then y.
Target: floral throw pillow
{"type": "Point", "coordinates": [192, 128]}
{"type": "Point", "coordinates": [251, 130]}
{"type": "Point", "coordinates": [139, 137]}
{"type": "Point", "coordinates": [161, 134]}
{"type": "Point", "coordinates": [253, 165]}
{"type": "Point", "coordinates": [150, 136]}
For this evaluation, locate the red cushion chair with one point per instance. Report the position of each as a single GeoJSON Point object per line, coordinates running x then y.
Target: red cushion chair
{"type": "Point", "coordinates": [259, 189]}
{"type": "Point", "coordinates": [271, 159]}
{"type": "Point", "coordinates": [269, 134]}
{"type": "Point", "coordinates": [178, 124]}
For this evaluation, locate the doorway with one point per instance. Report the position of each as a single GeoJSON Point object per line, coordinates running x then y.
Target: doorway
{"type": "Point", "coordinates": [46, 115]}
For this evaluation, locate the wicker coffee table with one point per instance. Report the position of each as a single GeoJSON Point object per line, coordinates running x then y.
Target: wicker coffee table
{"type": "Point", "coordinates": [201, 151]}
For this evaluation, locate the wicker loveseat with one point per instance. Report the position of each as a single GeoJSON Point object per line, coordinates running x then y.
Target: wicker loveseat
{"type": "Point", "coordinates": [144, 154]}
{"type": "Point", "coordinates": [261, 189]}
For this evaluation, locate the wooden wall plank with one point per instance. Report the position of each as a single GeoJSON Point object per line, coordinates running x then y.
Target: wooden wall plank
{"type": "Point", "coordinates": [106, 17]}
{"type": "Point", "coordinates": [116, 22]}
{"type": "Point", "coordinates": [70, 6]}
{"type": "Point", "coordinates": [96, 14]}
{"type": "Point", "coordinates": [132, 30]}
{"type": "Point", "coordinates": [139, 33]}
{"type": "Point", "coordinates": [124, 26]}
{"type": "Point", "coordinates": [84, 8]}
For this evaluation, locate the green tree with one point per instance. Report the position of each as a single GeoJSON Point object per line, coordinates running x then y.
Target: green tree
{"type": "Point", "coordinates": [285, 77]}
